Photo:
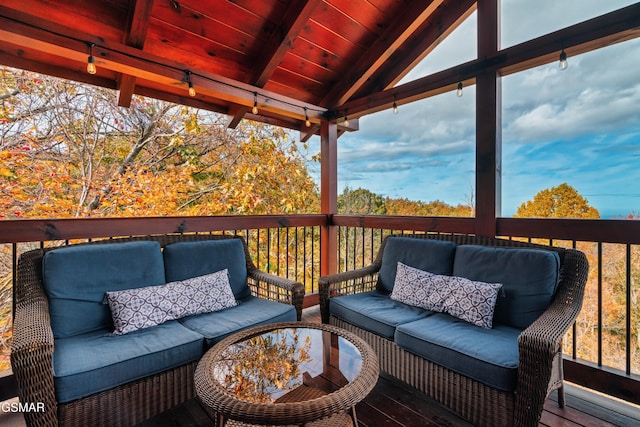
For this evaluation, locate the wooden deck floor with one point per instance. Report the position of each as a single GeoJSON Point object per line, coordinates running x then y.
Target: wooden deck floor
{"type": "Point", "coordinates": [392, 404]}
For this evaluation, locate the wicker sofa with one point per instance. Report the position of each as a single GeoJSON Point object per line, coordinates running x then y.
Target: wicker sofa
{"type": "Point", "coordinates": [66, 355]}
{"type": "Point", "coordinates": [492, 376]}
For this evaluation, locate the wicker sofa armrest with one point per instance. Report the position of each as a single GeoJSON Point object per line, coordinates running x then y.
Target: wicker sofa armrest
{"type": "Point", "coordinates": [32, 344]}
{"type": "Point", "coordinates": [32, 360]}
{"type": "Point", "coordinates": [276, 288]}
{"type": "Point", "coordinates": [541, 342]}
{"type": "Point", "coordinates": [347, 283]}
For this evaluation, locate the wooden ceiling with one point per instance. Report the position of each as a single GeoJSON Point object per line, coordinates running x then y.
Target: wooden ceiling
{"type": "Point", "coordinates": [287, 54]}
{"type": "Point", "coordinates": [321, 59]}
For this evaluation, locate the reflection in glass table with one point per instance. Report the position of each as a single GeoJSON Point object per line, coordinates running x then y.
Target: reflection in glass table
{"type": "Point", "coordinates": [287, 373]}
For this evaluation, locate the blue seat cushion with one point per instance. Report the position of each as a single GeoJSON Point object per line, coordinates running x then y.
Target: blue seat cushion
{"type": "Point", "coordinates": [250, 311]}
{"type": "Point", "coordinates": [96, 361]}
{"type": "Point", "coordinates": [529, 279]}
{"type": "Point", "coordinates": [375, 311]}
{"type": "Point", "coordinates": [489, 356]}
{"type": "Point", "coordinates": [185, 260]}
{"type": "Point", "coordinates": [434, 256]}
{"type": "Point", "coordinates": [76, 278]}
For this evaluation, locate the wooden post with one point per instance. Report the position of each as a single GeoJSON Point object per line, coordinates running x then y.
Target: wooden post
{"type": "Point", "coordinates": [488, 123]}
{"type": "Point", "coordinates": [328, 195]}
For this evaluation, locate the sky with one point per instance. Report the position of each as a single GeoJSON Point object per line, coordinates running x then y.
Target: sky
{"type": "Point", "coordinates": [580, 126]}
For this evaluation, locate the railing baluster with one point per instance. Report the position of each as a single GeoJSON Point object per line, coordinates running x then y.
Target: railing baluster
{"type": "Point", "coordinates": [628, 311]}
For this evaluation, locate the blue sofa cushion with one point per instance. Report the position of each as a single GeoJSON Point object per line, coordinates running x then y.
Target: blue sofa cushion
{"type": "Point", "coordinates": [250, 311]}
{"type": "Point", "coordinates": [489, 356]}
{"type": "Point", "coordinates": [375, 311]}
{"type": "Point", "coordinates": [76, 278]}
{"type": "Point", "coordinates": [434, 256]}
{"type": "Point", "coordinates": [529, 278]}
{"type": "Point", "coordinates": [185, 260]}
{"type": "Point", "coordinates": [96, 361]}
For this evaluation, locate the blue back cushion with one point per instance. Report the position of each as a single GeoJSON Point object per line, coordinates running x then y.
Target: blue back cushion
{"type": "Point", "coordinates": [77, 277]}
{"type": "Point", "coordinates": [529, 278]}
{"type": "Point", "coordinates": [434, 256]}
{"type": "Point", "coordinates": [185, 260]}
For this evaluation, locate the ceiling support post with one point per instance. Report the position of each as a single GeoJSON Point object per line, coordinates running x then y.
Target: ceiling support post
{"type": "Point", "coordinates": [488, 123]}
{"type": "Point", "coordinates": [329, 196]}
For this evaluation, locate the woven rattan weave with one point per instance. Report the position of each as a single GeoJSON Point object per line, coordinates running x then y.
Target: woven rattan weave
{"type": "Point", "coordinates": [539, 345]}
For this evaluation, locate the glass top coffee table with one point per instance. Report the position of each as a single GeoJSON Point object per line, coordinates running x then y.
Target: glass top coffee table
{"type": "Point", "coordinates": [293, 373]}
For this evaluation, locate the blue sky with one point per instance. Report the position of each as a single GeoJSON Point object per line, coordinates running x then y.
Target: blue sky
{"type": "Point", "coordinates": [580, 125]}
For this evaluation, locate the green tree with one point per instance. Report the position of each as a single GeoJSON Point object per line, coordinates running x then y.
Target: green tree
{"type": "Point", "coordinates": [361, 202]}
{"type": "Point", "coordinates": [562, 201]}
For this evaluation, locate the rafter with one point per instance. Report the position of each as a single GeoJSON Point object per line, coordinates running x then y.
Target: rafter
{"type": "Point", "coordinates": [138, 24]}
{"type": "Point", "coordinates": [426, 38]}
{"type": "Point", "coordinates": [276, 47]}
{"type": "Point", "coordinates": [391, 39]}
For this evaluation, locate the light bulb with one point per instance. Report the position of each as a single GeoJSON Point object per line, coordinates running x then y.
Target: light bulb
{"type": "Point", "coordinates": [459, 91]}
{"type": "Point", "coordinates": [91, 65]}
{"type": "Point", "coordinates": [563, 60]}
{"type": "Point", "coordinates": [307, 122]}
{"type": "Point", "coordinates": [91, 62]}
{"type": "Point", "coordinates": [192, 91]}
{"type": "Point", "coordinates": [346, 121]}
{"type": "Point", "coordinates": [395, 108]}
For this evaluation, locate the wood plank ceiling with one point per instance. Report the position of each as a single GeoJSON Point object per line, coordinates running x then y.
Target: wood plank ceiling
{"type": "Point", "coordinates": [296, 58]}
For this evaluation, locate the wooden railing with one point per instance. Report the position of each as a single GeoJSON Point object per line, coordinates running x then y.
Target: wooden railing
{"type": "Point", "coordinates": [290, 245]}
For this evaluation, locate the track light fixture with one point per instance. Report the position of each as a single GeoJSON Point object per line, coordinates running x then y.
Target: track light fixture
{"type": "Point", "coordinates": [91, 62]}
{"type": "Point", "coordinates": [563, 60]}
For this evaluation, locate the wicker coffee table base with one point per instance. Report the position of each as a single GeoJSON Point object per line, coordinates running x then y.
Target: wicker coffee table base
{"type": "Point", "coordinates": [338, 420]}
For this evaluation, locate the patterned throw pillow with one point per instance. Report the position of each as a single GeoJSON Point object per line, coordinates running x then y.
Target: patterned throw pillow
{"type": "Point", "coordinates": [468, 300]}
{"type": "Point", "coordinates": [134, 309]}
{"type": "Point", "coordinates": [411, 286]}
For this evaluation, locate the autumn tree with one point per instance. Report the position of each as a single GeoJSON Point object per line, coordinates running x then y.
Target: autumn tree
{"type": "Point", "coordinates": [68, 150]}
{"type": "Point", "coordinates": [403, 206]}
{"type": "Point", "coordinates": [609, 297]}
{"type": "Point", "coordinates": [562, 201]}
{"type": "Point", "coordinates": [85, 156]}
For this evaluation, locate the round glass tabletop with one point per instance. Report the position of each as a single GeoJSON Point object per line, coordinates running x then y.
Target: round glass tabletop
{"type": "Point", "coordinates": [266, 367]}
{"type": "Point", "coordinates": [287, 373]}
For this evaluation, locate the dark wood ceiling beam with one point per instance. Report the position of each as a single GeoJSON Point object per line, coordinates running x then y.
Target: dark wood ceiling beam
{"type": "Point", "coordinates": [271, 52]}
{"type": "Point", "coordinates": [236, 114]}
{"type": "Point", "coordinates": [391, 39]}
{"type": "Point", "coordinates": [16, 60]}
{"type": "Point", "coordinates": [181, 99]}
{"type": "Point", "coordinates": [138, 24]}
{"type": "Point", "coordinates": [605, 30]}
{"type": "Point", "coordinates": [438, 27]}
{"type": "Point", "coordinates": [121, 58]}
